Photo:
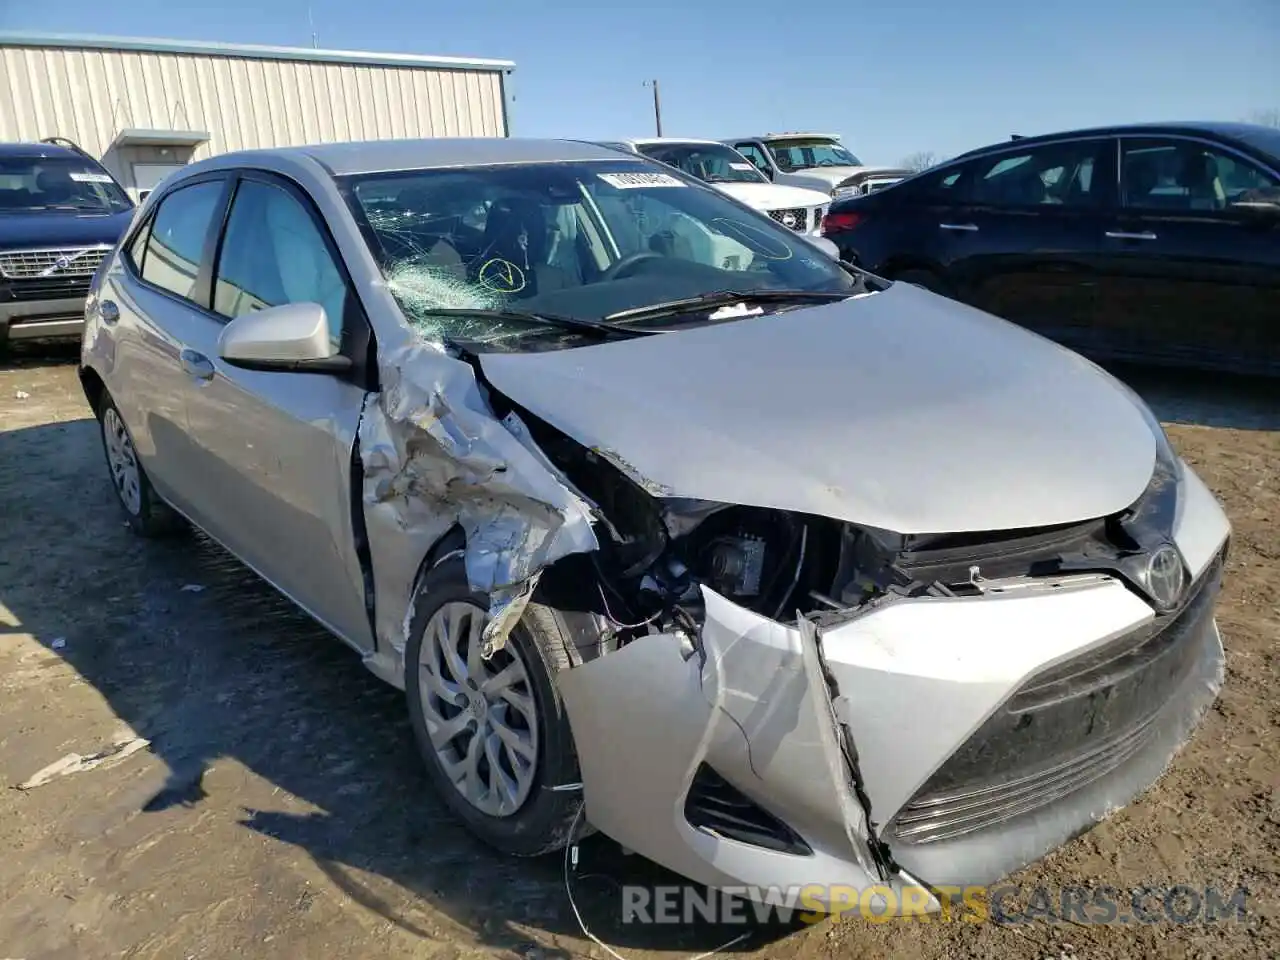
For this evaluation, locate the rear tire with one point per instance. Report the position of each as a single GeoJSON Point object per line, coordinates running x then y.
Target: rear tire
{"type": "Point", "coordinates": [506, 797]}
{"type": "Point", "coordinates": [147, 514]}
{"type": "Point", "coordinates": [924, 278]}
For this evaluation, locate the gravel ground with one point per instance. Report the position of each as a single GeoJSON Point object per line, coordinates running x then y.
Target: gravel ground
{"type": "Point", "coordinates": [278, 808]}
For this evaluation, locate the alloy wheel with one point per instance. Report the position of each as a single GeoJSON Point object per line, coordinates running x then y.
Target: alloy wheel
{"type": "Point", "coordinates": [480, 714]}
{"type": "Point", "coordinates": [122, 461]}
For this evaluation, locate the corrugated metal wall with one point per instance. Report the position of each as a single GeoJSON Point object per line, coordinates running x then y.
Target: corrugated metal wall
{"type": "Point", "coordinates": [90, 95]}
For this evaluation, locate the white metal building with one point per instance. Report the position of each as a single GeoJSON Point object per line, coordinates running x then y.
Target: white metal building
{"type": "Point", "coordinates": [146, 107]}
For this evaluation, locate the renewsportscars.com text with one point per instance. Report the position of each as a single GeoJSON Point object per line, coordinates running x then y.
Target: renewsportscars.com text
{"type": "Point", "coordinates": [1005, 904]}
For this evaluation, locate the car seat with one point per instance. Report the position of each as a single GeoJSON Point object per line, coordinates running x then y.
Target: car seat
{"type": "Point", "coordinates": [55, 187]}
{"type": "Point", "coordinates": [516, 231]}
{"type": "Point", "coordinates": [1200, 176]}
{"type": "Point", "coordinates": [1140, 178]}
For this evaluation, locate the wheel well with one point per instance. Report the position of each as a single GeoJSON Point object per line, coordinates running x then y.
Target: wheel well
{"type": "Point", "coordinates": [94, 388]}
{"type": "Point", "coordinates": [454, 539]}
{"type": "Point", "coordinates": [902, 264]}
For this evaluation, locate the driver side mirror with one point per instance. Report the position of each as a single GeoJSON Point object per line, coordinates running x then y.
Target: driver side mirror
{"type": "Point", "coordinates": [1260, 211]}
{"type": "Point", "coordinates": [293, 336]}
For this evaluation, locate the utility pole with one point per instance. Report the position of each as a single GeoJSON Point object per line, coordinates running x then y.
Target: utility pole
{"type": "Point", "coordinates": [312, 21]}
{"type": "Point", "coordinates": [657, 105]}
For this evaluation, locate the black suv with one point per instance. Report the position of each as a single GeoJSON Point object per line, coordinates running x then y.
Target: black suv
{"type": "Point", "coordinates": [1158, 243]}
{"type": "Point", "coordinates": [60, 213]}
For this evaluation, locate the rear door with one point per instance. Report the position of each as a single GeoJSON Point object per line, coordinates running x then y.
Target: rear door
{"type": "Point", "coordinates": [275, 448]}
{"type": "Point", "coordinates": [1023, 238]}
{"type": "Point", "coordinates": [1188, 274]}
{"type": "Point", "coordinates": [154, 299]}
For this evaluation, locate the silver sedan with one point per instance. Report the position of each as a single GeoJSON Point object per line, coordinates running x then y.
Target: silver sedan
{"type": "Point", "coordinates": [666, 522]}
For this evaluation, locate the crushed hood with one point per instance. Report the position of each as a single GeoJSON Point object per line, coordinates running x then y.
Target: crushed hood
{"type": "Point", "coordinates": [901, 410]}
{"type": "Point", "coordinates": [773, 196]}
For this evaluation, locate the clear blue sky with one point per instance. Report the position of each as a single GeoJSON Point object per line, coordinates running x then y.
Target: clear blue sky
{"type": "Point", "coordinates": [892, 76]}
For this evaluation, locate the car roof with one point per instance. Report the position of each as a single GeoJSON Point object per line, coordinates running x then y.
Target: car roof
{"type": "Point", "coordinates": [34, 151]}
{"type": "Point", "coordinates": [380, 156]}
{"type": "Point", "coordinates": [1246, 133]}
{"type": "Point", "coordinates": [657, 141]}
{"type": "Point", "coordinates": [795, 135]}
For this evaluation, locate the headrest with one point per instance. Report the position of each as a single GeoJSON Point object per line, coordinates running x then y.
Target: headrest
{"type": "Point", "coordinates": [54, 181]}
{"type": "Point", "coordinates": [509, 219]}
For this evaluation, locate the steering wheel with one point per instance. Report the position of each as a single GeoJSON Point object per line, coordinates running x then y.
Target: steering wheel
{"type": "Point", "coordinates": [627, 262]}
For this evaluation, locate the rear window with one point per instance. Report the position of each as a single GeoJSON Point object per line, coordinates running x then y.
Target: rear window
{"type": "Point", "coordinates": [34, 184]}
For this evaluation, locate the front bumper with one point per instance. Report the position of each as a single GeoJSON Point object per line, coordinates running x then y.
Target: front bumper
{"type": "Point", "coordinates": [58, 318]}
{"type": "Point", "coordinates": [848, 737]}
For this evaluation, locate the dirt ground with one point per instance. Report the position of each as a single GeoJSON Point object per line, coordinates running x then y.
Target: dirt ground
{"type": "Point", "coordinates": [278, 809]}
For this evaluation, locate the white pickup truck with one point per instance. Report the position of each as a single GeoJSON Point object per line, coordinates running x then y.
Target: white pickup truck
{"type": "Point", "coordinates": [818, 161]}
{"type": "Point", "coordinates": [799, 208]}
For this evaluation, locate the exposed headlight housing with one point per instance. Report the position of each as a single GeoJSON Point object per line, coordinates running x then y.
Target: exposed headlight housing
{"type": "Point", "coordinates": [1159, 567]}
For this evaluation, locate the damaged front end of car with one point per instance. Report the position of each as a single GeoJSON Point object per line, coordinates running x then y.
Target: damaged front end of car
{"type": "Point", "coordinates": [765, 697]}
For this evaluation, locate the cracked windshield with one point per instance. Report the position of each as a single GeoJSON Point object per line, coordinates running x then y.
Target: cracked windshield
{"type": "Point", "coordinates": [504, 256]}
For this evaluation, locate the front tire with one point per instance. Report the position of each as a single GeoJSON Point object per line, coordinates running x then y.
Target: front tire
{"type": "Point", "coordinates": [494, 735]}
{"type": "Point", "coordinates": [147, 514]}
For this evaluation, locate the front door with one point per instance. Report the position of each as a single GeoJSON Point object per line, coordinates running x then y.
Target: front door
{"type": "Point", "coordinates": [1023, 236]}
{"type": "Point", "coordinates": [1188, 274]}
{"type": "Point", "coordinates": [276, 447]}
{"type": "Point", "coordinates": [755, 152]}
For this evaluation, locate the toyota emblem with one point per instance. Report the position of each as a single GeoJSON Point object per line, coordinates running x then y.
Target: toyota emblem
{"type": "Point", "coordinates": [789, 220]}
{"type": "Point", "coordinates": [1166, 577]}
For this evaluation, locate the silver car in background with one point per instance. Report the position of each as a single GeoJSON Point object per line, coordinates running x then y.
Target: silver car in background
{"type": "Point", "coordinates": [666, 523]}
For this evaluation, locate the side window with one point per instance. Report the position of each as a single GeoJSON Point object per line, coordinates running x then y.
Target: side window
{"type": "Point", "coordinates": [176, 237]}
{"type": "Point", "coordinates": [1182, 175]}
{"type": "Point", "coordinates": [137, 249]}
{"type": "Point", "coordinates": [942, 186]}
{"type": "Point", "coordinates": [273, 254]}
{"type": "Point", "coordinates": [753, 153]}
{"type": "Point", "coordinates": [1056, 174]}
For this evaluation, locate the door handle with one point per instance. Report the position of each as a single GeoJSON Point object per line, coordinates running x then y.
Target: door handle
{"type": "Point", "coordinates": [967, 227]}
{"type": "Point", "coordinates": [109, 312]}
{"type": "Point", "coordinates": [1122, 235]}
{"type": "Point", "coordinates": [196, 364]}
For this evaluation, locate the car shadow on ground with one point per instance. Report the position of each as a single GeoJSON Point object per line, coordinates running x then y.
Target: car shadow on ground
{"type": "Point", "coordinates": [206, 662]}
{"type": "Point", "coordinates": [1198, 398]}
{"type": "Point", "coordinates": [16, 356]}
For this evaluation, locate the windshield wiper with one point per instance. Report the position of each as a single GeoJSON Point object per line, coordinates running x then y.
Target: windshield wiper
{"type": "Point", "coordinates": [594, 328]}
{"type": "Point", "coordinates": [722, 298]}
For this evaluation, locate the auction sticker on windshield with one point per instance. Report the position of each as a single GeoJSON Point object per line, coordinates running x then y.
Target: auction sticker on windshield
{"type": "Point", "coordinates": [86, 177]}
{"type": "Point", "coordinates": [625, 181]}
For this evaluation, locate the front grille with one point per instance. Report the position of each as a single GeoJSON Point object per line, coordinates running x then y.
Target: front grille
{"type": "Point", "coordinates": [1063, 728]}
{"type": "Point", "coordinates": [53, 288]}
{"type": "Point", "coordinates": [55, 262]}
{"type": "Point", "coordinates": [715, 805]}
{"type": "Point", "coordinates": [796, 219]}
